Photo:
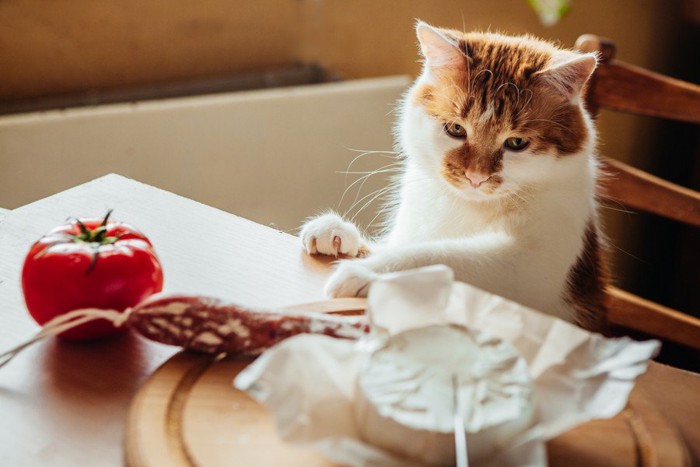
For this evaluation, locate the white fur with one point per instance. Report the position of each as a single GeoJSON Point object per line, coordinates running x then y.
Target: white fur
{"type": "Point", "coordinates": [519, 242]}
{"type": "Point", "coordinates": [328, 234]}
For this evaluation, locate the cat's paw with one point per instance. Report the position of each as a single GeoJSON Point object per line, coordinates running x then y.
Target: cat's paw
{"type": "Point", "coordinates": [329, 234]}
{"type": "Point", "coordinates": [350, 279]}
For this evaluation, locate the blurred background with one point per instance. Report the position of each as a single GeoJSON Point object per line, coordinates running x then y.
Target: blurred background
{"type": "Point", "coordinates": [258, 107]}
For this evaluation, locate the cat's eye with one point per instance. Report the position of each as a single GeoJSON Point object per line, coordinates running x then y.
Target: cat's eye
{"type": "Point", "coordinates": [516, 144]}
{"type": "Point", "coordinates": [455, 130]}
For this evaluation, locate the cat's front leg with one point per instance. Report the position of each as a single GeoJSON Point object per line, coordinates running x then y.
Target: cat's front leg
{"type": "Point", "coordinates": [329, 234]}
{"type": "Point", "coordinates": [485, 261]}
{"type": "Point", "coordinates": [351, 278]}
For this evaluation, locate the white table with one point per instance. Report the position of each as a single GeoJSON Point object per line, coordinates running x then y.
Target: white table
{"type": "Point", "coordinates": [65, 404]}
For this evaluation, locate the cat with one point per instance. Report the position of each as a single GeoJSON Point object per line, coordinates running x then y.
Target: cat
{"type": "Point", "coordinates": [498, 178]}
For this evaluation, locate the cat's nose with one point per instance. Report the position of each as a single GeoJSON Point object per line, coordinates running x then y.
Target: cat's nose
{"type": "Point", "coordinates": [475, 178]}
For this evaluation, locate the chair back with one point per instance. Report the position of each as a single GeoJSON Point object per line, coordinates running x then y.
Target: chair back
{"type": "Point", "coordinates": [622, 87]}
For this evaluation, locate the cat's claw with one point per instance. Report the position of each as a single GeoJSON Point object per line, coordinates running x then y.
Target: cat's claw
{"type": "Point", "coordinates": [329, 234]}
{"type": "Point", "coordinates": [350, 279]}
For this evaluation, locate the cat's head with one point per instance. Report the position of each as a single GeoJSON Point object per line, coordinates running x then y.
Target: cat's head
{"type": "Point", "coordinates": [493, 115]}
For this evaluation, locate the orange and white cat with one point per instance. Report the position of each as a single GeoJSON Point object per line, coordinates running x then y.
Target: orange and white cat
{"type": "Point", "coordinates": [498, 178]}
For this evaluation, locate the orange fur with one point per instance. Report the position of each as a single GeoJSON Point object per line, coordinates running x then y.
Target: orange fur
{"type": "Point", "coordinates": [497, 93]}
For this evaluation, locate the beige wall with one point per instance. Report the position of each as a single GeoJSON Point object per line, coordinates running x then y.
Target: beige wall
{"type": "Point", "coordinates": [370, 37]}
{"type": "Point", "coordinates": [61, 46]}
{"type": "Point", "coordinates": [69, 46]}
{"type": "Point", "coordinates": [274, 156]}
{"type": "Point", "coordinates": [50, 47]}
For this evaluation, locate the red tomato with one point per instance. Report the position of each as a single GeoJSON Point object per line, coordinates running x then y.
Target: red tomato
{"type": "Point", "coordinates": [89, 263]}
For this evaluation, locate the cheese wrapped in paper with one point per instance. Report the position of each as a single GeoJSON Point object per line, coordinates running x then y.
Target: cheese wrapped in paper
{"type": "Point", "coordinates": [404, 394]}
{"type": "Point", "coordinates": [309, 383]}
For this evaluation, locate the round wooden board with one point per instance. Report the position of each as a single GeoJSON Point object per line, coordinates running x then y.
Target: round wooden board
{"type": "Point", "coordinates": [189, 414]}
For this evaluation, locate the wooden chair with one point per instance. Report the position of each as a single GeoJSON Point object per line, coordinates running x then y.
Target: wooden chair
{"type": "Point", "coordinates": [619, 86]}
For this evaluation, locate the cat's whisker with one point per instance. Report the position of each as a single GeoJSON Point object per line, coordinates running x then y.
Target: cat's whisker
{"type": "Point", "coordinates": [501, 86]}
{"type": "Point", "coordinates": [525, 106]}
{"type": "Point", "coordinates": [563, 127]}
{"type": "Point", "coordinates": [392, 110]}
{"type": "Point", "coordinates": [380, 212]}
{"type": "Point", "coordinates": [621, 206]}
{"type": "Point", "coordinates": [372, 196]}
{"type": "Point", "coordinates": [517, 198]}
{"type": "Point", "coordinates": [453, 94]}
{"type": "Point", "coordinates": [391, 168]}
{"type": "Point", "coordinates": [354, 217]}
{"type": "Point", "coordinates": [385, 154]}
{"type": "Point", "coordinates": [377, 194]}
{"type": "Point", "coordinates": [473, 79]}
{"type": "Point", "coordinates": [362, 180]}
{"type": "Point", "coordinates": [366, 152]}
{"type": "Point", "coordinates": [621, 209]}
{"type": "Point", "coordinates": [625, 252]}
{"type": "Point", "coordinates": [371, 172]}
{"type": "Point", "coordinates": [357, 201]}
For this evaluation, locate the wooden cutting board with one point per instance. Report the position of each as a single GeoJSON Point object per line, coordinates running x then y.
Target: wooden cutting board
{"type": "Point", "coordinates": [189, 414]}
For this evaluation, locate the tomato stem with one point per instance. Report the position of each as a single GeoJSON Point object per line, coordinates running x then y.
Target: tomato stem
{"type": "Point", "coordinates": [104, 221]}
{"type": "Point", "coordinates": [96, 237]}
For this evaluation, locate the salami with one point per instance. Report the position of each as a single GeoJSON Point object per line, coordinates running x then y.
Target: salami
{"type": "Point", "coordinates": [206, 324]}
{"type": "Point", "coordinates": [211, 325]}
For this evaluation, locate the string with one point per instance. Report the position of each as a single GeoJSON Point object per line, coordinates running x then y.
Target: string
{"type": "Point", "coordinates": [66, 322]}
{"type": "Point", "coordinates": [461, 451]}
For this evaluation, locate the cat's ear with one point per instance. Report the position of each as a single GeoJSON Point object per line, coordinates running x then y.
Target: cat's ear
{"type": "Point", "coordinates": [439, 50]}
{"type": "Point", "coordinates": [569, 75]}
